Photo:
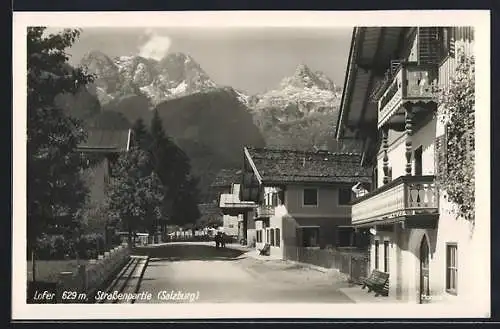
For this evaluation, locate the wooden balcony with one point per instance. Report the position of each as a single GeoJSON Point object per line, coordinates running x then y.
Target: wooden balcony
{"type": "Point", "coordinates": [230, 204]}
{"type": "Point", "coordinates": [410, 199]}
{"type": "Point", "coordinates": [264, 211]}
{"type": "Point", "coordinates": [408, 83]}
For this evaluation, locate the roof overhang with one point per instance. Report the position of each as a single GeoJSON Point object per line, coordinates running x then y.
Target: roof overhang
{"type": "Point", "coordinates": [251, 180]}
{"type": "Point", "coordinates": [372, 49]}
{"type": "Point", "coordinates": [106, 147]}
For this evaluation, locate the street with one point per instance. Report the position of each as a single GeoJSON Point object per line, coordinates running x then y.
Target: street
{"type": "Point", "coordinates": [198, 272]}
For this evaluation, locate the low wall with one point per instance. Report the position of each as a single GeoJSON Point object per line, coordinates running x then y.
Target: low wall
{"type": "Point", "coordinates": [87, 279]}
{"type": "Point", "coordinates": [352, 262]}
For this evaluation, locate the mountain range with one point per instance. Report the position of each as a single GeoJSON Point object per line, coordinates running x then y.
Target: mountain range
{"type": "Point", "coordinates": [211, 122]}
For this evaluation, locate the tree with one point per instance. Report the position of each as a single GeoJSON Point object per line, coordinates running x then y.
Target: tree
{"type": "Point", "coordinates": [185, 207]}
{"type": "Point", "coordinates": [55, 189]}
{"type": "Point", "coordinates": [142, 137]}
{"type": "Point", "coordinates": [170, 163]}
{"type": "Point", "coordinates": [456, 112]}
{"type": "Point", "coordinates": [135, 195]}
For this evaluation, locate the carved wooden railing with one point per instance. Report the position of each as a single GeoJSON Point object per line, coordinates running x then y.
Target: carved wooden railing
{"type": "Point", "coordinates": [410, 82]}
{"type": "Point", "coordinates": [407, 195]}
{"type": "Point", "coordinates": [264, 211]}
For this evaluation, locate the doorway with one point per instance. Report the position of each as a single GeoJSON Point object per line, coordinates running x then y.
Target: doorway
{"type": "Point", "coordinates": [424, 270]}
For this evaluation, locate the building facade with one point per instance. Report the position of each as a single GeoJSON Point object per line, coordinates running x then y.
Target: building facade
{"type": "Point", "coordinates": [223, 184]}
{"type": "Point", "coordinates": [390, 103]}
{"type": "Point", "coordinates": [302, 198]}
{"type": "Point", "coordinates": [102, 148]}
{"type": "Point", "coordinates": [243, 211]}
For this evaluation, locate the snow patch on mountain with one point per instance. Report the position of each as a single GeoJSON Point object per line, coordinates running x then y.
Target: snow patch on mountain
{"type": "Point", "coordinates": [180, 89]}
{"type": "Point", "coordinates": [300, 113]}
{"type": "Point", "coordinates": [175, 75]}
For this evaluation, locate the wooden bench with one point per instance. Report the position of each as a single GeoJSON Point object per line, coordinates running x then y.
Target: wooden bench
{"type": "Point", "coordinates": [265, 250]}
{"type": "Point", "coordinates": [377, 282]}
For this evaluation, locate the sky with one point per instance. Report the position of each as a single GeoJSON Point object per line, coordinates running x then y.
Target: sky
{"type": "Point", "coordinates": [253, 60]}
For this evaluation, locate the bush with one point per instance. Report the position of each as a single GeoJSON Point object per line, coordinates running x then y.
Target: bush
{"type": "Point", "coordinates": [90, 245]}
{"type": "Point", "coordinates": [57, 247]}
{"type": "Point", "coordinates": [54, 247]}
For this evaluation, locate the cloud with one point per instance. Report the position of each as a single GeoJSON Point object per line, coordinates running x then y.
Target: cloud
{"type": "Point", "coordinates": [156, 46]}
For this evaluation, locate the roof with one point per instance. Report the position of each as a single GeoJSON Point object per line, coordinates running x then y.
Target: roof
{"type": "Point", "coordinates": [226, 177]}
{"type": "Point", "coordinates": [290, 166]}
{"type": "Point", "coordinates": [106, 141]}
{"type": "Point", "coordinates": [370, 54]}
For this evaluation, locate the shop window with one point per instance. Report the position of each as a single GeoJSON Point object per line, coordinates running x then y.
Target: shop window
{"type": "Point", "coordinates": [310, 236]}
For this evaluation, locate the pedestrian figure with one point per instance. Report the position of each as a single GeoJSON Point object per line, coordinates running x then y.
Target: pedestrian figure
{"type": "Point", "coordinates": [217, 241]}
{"type": "Point", "coordinates": [223, 240]}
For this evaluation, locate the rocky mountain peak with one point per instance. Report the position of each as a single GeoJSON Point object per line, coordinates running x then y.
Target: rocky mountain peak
{"type": "Point", "coordinates": [302, 71]}
{"type": "Point", "coordinates": [176, 74]}
{"type": "Point", "coordinates": [304, 77]}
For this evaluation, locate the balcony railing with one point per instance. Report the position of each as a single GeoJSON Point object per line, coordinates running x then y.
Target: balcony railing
{"type": "Point", "coordinates": [264, 211]}
{"type": "Point", "coordinates": [405, 196]}
{"type": "Point", "coordinates": [410, 82]}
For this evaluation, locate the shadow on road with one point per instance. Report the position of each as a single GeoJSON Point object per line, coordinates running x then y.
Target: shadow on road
{"type": "Point", "coordinates": [183, 252]}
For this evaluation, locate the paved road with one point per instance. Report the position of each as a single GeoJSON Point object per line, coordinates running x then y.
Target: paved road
{"type": "Point", "coordinates": [201, 273]}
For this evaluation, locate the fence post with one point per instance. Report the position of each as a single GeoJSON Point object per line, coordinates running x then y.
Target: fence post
{"type": "Point", "coordinates": [82, 277]}
{"type": "Point", "coordinates": [64, 284]}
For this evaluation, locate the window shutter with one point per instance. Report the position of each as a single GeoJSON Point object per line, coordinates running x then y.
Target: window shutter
{"type": "Point", "coordinates": [440, 155]}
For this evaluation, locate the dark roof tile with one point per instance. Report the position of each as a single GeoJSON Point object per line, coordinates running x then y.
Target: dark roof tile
{"type": "Point", "coordinates": [277, 165]}
{"type": "Point", "coordinates": [226, 177]}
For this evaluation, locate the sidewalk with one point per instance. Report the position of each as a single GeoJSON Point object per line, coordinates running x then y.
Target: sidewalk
{"type": "Point", "coordinates": [252, 253]}
{"type": "Point", "coordinates": [362, 296]}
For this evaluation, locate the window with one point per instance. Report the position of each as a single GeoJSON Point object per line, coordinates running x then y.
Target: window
{"type": "Point", "coordinates": [310, 197]}
{"type": "Point", "coordinates": [451, 268]}
{"type": "Point", "coordinates": [345, 196]}
{"type": "Point", "coordinates": [344, 236]}
{"type": "Point", "coordinates": [440, 154]}
{"type": "Point", "coordinates": [281, 197]}
{"type": "Point", "coordinates": [376, 254]}
{"type": "Point", "coordinates": [278, 237]}
{"type": "Point", "coordinates": [375, 177]}
{"type": "Point", "coordinates": [259, 236]}
{"type": "Point", "coordinates": [272, 237]}
{"type": "Point", "coordinates": [267, 236]}
{"type": "Point", "coordinates": [418, 161]}
{"type": "Point", "coordinates": [386, 256]}
{"type": "Point", "coordinates": [310, 236]}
